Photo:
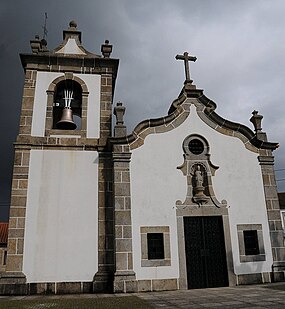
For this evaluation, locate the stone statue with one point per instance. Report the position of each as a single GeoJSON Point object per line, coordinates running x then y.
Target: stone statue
{"type": "Point", "coordinates": [198, 177]}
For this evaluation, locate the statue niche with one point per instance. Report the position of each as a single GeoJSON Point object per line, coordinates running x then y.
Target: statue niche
{"type": "Point", "coordinates": [199, 184]}
{"type": "Point", "coordinates": [199, 171]}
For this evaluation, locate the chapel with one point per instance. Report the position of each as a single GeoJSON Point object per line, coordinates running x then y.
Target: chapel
{"type": "Point", "coordinates": [188, 200]}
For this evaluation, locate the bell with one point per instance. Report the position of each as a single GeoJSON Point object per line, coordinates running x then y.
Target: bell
{"type": "Point", "coordinates": [66, 122]}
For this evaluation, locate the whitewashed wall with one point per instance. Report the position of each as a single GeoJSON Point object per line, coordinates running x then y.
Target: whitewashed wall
{"type": "Point", "coordinates": [61, 231]}
{"type": "Point", "coordinates": [44, 79]}
{"type": "Point", "coordinates": [156, 185]}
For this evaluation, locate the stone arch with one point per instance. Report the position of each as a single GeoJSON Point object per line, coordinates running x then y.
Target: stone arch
{"type": "Point", "coordinates": [50, 104]}
{"type": "Point", "coordinates": [66, 76]}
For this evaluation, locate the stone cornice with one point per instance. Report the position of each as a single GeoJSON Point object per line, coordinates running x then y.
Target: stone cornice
{"type": "Point", "coordinates": [209, 111]}
{"type": "Point", "coordinates": [29, 142]}
{"type": "Point", "coordinates": [146, 125]}
{"type": "Point", "coordinates": [60, 63]}
{"type": "Point", "coordinates": [167, 123]}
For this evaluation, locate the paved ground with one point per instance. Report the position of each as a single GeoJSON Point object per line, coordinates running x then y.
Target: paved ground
{"type": "Point", "coordinates": [253, 296]}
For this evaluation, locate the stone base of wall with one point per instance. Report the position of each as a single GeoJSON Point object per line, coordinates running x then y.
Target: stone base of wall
{"type": "Point", "coordinates": [278, 273]}
{"type": "Point", "coordinates": [128, 286]}
{"type": "Point", "coordinates": [258, 278]}
{"type": "Point", "coordinates": [135, 286]}
{"type": "Point", "coordinates": [13, 289]}
{"type": "Point", "coordinates": [103, 282]}
{"type": "Point", "coordinates": [12, 278]}
{"type": "Point", "coordinates": [157, 285]}
{"type": "Point", "coordinates": [46, 288]}
{"type": "Point", "coordinates": [278, 276]}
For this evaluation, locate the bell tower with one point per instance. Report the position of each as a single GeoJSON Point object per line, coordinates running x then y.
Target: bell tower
{"type": "Point", "coordinates": [61, 194]}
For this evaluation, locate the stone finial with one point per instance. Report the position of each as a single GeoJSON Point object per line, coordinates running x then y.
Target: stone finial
{"type": "Point", "coordinates": [72, 32]}
{"type": "Point", "coordinates": [119, 112]}
{"type": "Point", "coordinates": [35, 44]}
{"type": "Point", "coordinates": [72, 25]}
{"type": "Point", "coordinates": [119, 129]}
{"type": "Point", "coordinates": [38, 45]}
{"type": "Point", "coordinates": [106, 49]}
{"type": "Point", "coordinates": [256, 120]}
{"type": "Point", "coordinates": [44, 45]}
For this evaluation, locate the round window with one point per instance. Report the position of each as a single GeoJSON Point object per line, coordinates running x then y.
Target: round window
{"type": "Point", "coordinates": [196, 146]}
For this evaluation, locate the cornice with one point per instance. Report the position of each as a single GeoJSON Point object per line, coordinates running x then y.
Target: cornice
{"type": "Point", "coordinates": [209, 111]}
{"type": "Point", "coordinates": [62, 63]}
{"type": "Point", "coordinates": [167, 123]}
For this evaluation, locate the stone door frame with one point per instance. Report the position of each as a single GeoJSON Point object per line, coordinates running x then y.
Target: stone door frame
{"type": "Point", "coordinates": [191, 211]}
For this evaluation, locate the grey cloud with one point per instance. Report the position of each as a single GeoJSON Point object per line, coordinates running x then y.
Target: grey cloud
{"type": "Point", "coordinates": [239, 45]}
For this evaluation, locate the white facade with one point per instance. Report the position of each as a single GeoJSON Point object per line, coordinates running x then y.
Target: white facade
{"type": "Point", "coordinates": [156, 185]}
{"type": "Point", "coordinates": [61, 217]}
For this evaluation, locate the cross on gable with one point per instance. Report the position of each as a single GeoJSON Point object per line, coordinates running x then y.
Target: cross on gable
{"type": "Point", "coordinates": [186, 59]}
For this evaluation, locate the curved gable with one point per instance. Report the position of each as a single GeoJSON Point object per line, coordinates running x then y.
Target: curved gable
{"type": "Point", "coordinates": [179, 111]}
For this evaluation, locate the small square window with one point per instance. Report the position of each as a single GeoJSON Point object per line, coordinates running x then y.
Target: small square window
{"type": "Point", "coordinates": [155, 246]}
{"type": "Point", "coordinates": [251, 242]}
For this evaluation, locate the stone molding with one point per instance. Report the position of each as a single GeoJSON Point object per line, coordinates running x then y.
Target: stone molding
{"type": "Point", "coordinates": [187, 211]}
{"type": "Point", "coordinates": [59, 143]}
{"type": "Point", "coordinates": [204, 195]}
{"type": "Point", "coordinates": [151, 126]}
{"type": "Point", "coordinates": [145, 262]}
{"type": "Point", "coordinates": [250, 258]}
{"type": "Point", "coordinates": [71, 76]}
{"type": "Point", "coordinates": [50, 62]}
{"type": "Point", "coordinates": [179, 111]}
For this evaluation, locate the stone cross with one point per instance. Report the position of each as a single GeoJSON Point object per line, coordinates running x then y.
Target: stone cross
{"type": "Point", "coordinates": [186, 59]}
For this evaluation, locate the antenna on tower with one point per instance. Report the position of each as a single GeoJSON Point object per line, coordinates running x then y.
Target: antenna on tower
{"type": "Point", "coordinates": [45, 27]}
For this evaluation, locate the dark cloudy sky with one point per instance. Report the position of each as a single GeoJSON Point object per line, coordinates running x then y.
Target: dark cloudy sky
{"type": "Point", "coordinates": [240, 46]}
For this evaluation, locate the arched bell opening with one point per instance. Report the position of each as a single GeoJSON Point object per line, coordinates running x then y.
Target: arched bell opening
{"type": "Point", "coordinates": [67, 109]}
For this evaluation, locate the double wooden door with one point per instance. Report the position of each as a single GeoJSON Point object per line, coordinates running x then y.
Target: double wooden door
{"type": "Point", "coordinates": [205, 252]}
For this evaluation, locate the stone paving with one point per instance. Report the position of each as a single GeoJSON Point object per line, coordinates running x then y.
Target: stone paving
{"type": "Point", "coordinates": [253, 296]}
